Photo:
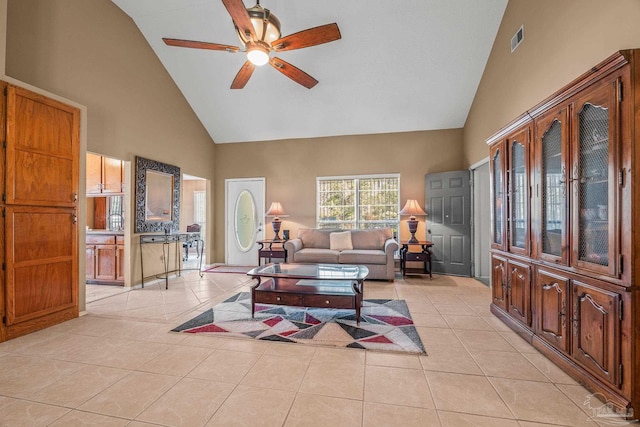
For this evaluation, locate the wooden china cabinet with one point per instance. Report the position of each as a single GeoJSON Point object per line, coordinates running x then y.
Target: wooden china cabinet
{"type": "Point", "coordinates": [564, 186]}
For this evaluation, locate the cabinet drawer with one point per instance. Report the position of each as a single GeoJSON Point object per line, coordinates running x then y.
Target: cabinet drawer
{"type": "Point", "coordinates": [416, 256]}
{"type": "Point", "coordinates": [332, 301]}
{"type": "Point", "coordinates": [102, 240]}
{"type": "Point", "coordinates": [278, 298]}
{"type": "Point", "coordinates": [120, 240]}
{"type": "Point", "coordinates": [272, 254]}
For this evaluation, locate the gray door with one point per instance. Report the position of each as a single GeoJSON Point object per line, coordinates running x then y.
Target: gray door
{"type": "Point", "coordinates": [448, 197]}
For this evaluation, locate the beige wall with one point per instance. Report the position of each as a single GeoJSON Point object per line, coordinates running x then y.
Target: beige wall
{"type": "Point", "coordinates": [563, 39]}
{"type": "Point", "coordinates": [291, 167]}
{"type": "Point", "coordinates": [91, 52]}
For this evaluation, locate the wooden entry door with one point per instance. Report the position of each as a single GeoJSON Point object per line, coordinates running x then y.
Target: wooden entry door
{"type": "Point", "coordinates": [40, 218]}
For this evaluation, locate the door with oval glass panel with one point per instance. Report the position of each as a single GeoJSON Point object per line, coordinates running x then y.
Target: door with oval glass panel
{"type": "Point", "coordinates": [244, 219]}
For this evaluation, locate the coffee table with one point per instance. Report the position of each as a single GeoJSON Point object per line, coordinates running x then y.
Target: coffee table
{"type": "Point", "coordinates": [309, 285]}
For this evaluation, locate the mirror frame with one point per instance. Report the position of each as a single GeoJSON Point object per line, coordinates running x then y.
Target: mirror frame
{"type": "Point", "coordinates": [142, 224]}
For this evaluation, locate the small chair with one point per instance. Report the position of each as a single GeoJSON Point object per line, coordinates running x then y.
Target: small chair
{"type": "Point", "coordinates": [193, 228]}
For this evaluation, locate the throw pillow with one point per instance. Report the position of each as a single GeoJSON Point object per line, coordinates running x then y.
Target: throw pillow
{"type": "Point", "coordinates": [340, 241]}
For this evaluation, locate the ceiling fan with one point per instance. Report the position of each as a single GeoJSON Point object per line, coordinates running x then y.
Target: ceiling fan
{"type": "Point", "coordinates": [259, 31]}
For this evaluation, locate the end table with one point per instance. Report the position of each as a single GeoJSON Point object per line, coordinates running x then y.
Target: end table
{"type": "Point", "coordinates": [271, 249]}
{"type": "Point", "coordinates": [424, 256]}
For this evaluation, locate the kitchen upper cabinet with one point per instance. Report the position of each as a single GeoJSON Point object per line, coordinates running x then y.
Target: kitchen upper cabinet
{"type": "Point", "coordinates": [104, 175]}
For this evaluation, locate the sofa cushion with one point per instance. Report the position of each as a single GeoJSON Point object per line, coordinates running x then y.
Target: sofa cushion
{"type": "Point", "coordinates": [362, 256]}
{"type": "Point", "coordinates": [340, 241]}
{"type": "Point", "coordinates": [316, 255]}
{"type": "Point", "coordinates": [370, 239]}
{"type": "Point", "coordinates": [315, 238]}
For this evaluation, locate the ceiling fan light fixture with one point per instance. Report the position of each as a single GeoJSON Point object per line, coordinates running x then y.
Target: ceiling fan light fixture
{"type": "Point", "coordinates": [258, 53]}
{"type": "Point", "coordinates": [265, 24]}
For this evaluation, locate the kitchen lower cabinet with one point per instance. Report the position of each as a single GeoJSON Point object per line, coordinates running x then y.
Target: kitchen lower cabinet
{"type": "Point", "coordinates": [107, 252]}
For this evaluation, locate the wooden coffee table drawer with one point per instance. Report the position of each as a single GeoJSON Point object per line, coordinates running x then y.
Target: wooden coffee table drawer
{"type": "Point", "coordinates": [277, 298]}
{"type": "Point", "coordinates": [329, 301]}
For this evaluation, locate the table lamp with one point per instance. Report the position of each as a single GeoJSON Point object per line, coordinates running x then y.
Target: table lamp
{"type": "Point", "coordinates": [413, 209]}
{"type": "Point", "coordinates": [276, 211]}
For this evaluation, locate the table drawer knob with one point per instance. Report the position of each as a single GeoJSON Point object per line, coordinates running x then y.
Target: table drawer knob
{"type": "Point", "coordinates": [327, 302]}
{"type": "Point", "coordinates": [278, 298]}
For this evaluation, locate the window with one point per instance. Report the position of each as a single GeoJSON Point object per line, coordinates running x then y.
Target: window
{"type": "Point", "coordinates": [358, 202]}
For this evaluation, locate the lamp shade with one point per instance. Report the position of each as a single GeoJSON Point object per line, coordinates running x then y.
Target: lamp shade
{"type": "Point", "coordinates": [413, 209]}
{"type": "Point", "coordinates": [276, 210]}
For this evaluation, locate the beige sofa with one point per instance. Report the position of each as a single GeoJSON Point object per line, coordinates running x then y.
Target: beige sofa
{"type": "Point", "coordinates": [372, 248]}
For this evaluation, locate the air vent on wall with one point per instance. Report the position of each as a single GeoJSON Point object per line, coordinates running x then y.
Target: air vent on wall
{"type": "Point", "coordinates": [517, 38]}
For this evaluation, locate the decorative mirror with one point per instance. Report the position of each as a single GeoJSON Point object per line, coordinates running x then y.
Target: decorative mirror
{"type": "Point", "coordinates": [157, 196]}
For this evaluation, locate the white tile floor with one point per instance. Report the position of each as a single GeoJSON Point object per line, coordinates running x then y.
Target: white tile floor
{"type": "Point", "coordinates": [119, 365]}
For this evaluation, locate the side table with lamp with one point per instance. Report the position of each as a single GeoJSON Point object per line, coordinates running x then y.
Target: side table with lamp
{"type": "Point", "coordinates": [412, 209]}
{"type": "Point", "coordinates": [273, 248]}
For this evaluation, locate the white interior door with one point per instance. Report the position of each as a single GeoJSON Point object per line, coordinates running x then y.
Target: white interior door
{"type": "Point", "coordinates": [244, 219]}
{"type": "Point", "coordinates": [481, 222]}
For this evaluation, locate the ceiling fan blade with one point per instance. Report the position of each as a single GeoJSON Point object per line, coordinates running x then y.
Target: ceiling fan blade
{"type": "Point", "coordinates": [306, 38]}
{"type": "Point", "coordinates": [243, 75]}
{"type": "Point", "coordinates": [240, 16]}
{"type": "Point", "coordinates": [200, 45]}
{"type": "Point", "coordinates": [294, 73]}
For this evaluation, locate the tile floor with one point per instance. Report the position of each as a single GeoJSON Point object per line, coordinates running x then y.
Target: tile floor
{"type": "Point", "coordinates": [119, 365]}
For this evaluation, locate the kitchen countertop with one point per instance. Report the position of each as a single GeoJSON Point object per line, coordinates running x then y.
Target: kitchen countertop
{"type": "Point", "coordinates": [108, 232]}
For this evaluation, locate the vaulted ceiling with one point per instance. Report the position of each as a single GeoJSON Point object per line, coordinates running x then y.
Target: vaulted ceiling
{"type": "Point", "coordinates": [400, 66]}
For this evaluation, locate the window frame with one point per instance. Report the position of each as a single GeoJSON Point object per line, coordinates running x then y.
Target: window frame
{"type": "Point", "coordinates": [357, 178]}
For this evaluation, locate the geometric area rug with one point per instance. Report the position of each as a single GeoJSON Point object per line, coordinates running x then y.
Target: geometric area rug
{"type": "Point", "coordinates": [385, 324]}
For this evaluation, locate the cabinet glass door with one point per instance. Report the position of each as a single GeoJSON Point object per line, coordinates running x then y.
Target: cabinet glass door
{"type": "Point", "coordinates": [594, 184]}
{"type": "Point", "coordinates": [497, 188]}
{"type": "Point", "coordinates": [552, 146]}
{"type": "Point", "coordinates": [518, 222]}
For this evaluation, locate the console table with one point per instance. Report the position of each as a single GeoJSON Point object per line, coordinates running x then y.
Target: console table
{"type": "Point", "coordinates": [271, 249]}
{"type": "Point", "coordinates": [166, 240]}
{"type": "Point", "coordinates": [424, 256]}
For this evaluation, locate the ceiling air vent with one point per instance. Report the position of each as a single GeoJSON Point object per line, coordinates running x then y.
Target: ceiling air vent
{"type": "Point", "coordinates": [517, 38]}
